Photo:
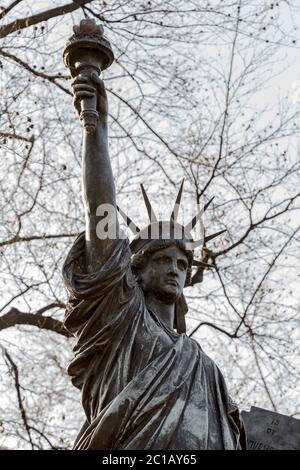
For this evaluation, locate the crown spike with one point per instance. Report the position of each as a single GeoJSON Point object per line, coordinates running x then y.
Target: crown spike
{"type": "Point", "coordinates": [196, 218]}
{"type": "Point", "coordinates": [204, 234]}
{"type": "Point", "coordinates": [177, 203]}
{"type": "Point", "coordinates": [150, 211]}
{"type": "Point", "coordinates": [189, 227]}
{"type": "Point", "coordinates": [134, 228]}
{"type": "Point", "coordinates": [214, 235]}
{"type": "Point", "coordinates": [208, 203]}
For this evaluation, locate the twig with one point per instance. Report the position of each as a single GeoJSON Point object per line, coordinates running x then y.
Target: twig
{"type": "Point", "coordinates": [7, 135]}
{"type": "Point", "coordinates": [15, 372]}
{"type": "Point", "coordinates": [7, 9]}
{"type": "Point", "coordinates": [45, 76]}
{"type": "Point", "coordinates": [264, 380]}
{"type": "Point", "coordinates": [18, 238]}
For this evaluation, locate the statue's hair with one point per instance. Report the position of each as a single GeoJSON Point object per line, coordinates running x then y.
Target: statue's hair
{"type": "Point", "coordinates": [140, 259]}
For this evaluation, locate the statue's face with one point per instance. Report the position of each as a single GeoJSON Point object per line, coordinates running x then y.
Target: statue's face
{"type": "Point", "coordinates": [165, 274]}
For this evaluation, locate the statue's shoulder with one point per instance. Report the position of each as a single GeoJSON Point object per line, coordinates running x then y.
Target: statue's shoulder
{"type": "Point", "coordinates": [207, 361]}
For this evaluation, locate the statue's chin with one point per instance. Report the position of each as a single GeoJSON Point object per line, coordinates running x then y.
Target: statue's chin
{"type": "Point", "coordinates": [168, 295]}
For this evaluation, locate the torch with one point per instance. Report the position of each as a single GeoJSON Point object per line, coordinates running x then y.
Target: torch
{"type": "Point", "coordinates": [85, 52]}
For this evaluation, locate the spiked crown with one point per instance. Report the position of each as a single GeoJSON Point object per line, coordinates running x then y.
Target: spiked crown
{"type": "Point", "coordinates": [171, 230]}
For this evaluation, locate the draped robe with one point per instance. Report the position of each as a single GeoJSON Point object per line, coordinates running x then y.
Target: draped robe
{"type": "Point", "coordinates": [143, 385]}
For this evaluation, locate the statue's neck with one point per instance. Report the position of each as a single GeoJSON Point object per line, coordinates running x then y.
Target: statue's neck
{"type": "Point", "coordinates": [165, 312]}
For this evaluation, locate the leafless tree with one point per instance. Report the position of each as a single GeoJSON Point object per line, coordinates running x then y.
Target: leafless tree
{"type": "Point", "coordinates": [191, 95]}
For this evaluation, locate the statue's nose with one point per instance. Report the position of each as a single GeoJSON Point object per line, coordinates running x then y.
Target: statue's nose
{"type": "Point", "coordinates": [173, 267]}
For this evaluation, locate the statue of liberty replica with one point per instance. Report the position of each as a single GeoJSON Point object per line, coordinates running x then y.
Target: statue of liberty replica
{"type": "Point", "coordinates": [145, 384]}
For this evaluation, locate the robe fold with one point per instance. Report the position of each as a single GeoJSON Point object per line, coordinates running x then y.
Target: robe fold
{"type": "Point", "coordinates": [143, 385]}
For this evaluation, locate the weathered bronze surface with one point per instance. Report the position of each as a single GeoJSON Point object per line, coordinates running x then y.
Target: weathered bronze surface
{"type": "Point", "coordinates": [267, 430]}
{"type": "Point", "coordinates": [144, 385]}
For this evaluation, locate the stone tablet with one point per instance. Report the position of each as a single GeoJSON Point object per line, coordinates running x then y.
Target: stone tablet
{"type": "Point", "coordinates": [267, 430]}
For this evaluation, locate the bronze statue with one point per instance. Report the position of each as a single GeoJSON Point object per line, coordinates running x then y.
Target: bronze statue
{"type": "Point", "coordinates": [144, 385]}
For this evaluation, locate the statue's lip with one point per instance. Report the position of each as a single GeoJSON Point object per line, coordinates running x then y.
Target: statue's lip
{"type": "Point", "coordinates": [173, 282]}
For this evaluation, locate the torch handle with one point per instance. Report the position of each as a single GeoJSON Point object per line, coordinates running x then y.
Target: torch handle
{"type": "Point", "coordinates": [89, 115]}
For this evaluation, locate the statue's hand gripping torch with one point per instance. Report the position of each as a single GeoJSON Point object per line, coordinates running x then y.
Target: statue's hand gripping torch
{"type": "Point", "coordinates": [88, 51]}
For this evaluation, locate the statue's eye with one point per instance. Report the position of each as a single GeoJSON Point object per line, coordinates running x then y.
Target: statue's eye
{"type": "Point", "coordinates": [182, 265]}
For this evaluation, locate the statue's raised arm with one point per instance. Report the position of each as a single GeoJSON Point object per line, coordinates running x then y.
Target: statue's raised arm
{"type": "Point", "coordinates": [87, 53]}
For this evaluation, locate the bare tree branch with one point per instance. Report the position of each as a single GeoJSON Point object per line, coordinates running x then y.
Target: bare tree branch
{"type": "Point", "coordinates": [227, 102]}
{"type": "Point", "coordinates": [18, 239]}
{"type": "Point", "coordinates": [254, 225]}
{"type": "Point", "coordinates": [215, 327]}
{"type": "Point", "coordinates": [6, 10]}
{"type": "Point", "coordinates": [263, 379]}
{"type": "Point", "coordinates": [8, 135]}
{"type": "Point", "coordinates": [15, 317]}
{"type": "Point", "coordinates": [265, 275]}
{"type": "Point", "coordinates": [143, 120]}
{"type": "Point", "coordinates": [45, 76]}
{"type": "Point", "coordinates": [15, 372]}
{"type": "Point", "coordinates": [23, 23]}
